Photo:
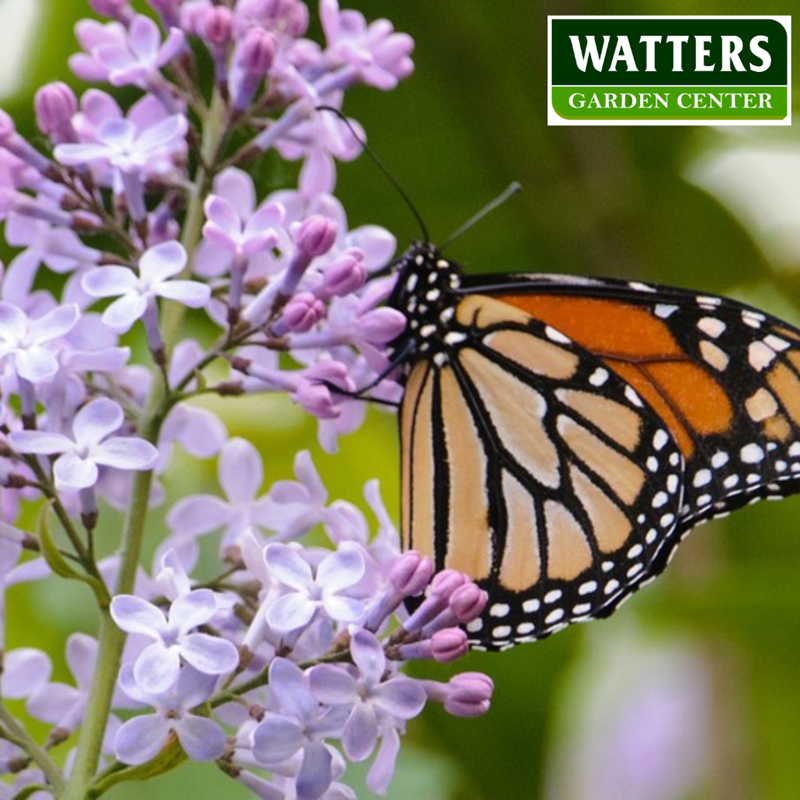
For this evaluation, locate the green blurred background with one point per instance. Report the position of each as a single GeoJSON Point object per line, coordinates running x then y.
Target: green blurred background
{"type": "Point", "coordinates": [692, 690]}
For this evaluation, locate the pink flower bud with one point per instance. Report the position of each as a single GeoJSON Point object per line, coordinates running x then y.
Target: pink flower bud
{"type": "Point", "coordinates": [381, 325]}
{"type": "Point", "coordinates": [192, 16]}
{"type": "Point", "coordinates": [169, 10]}
{"type": "Point", "coordinates": [316, 235]}
{"type": "Point", "coordinates": [16, 145]}
{"type": "Point", "coordinates": [316, 399]}
{"type": "Point", "coordinates": [467, 602]}
{"type": "Point", "coordinates": [256, 52]}
{"type": "Point", "coordinates": [302, 312]}
{"type": "Point", "coordinates": [411, 574]}
{"type": "Point", "coordinates": [55, 104]}
{"type": "Point", "coordinates": [216, 26]}
{"type": "Point", "coordinates": [7, 127]}
{"type": "Point", "coordinates": [444, 583]}
{"type": "Point", "coordinates": [470, 694]}
{"type": "Point", "coordinates": [345, 274]}
{"type": "Point", "coordinates": [117, 9]}
{"type": "Point", "coordinates": [448, 645]}
{"type": "Point", "coordinates": [314, 395]}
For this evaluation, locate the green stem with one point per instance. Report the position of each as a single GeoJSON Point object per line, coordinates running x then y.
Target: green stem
{"type": "Point", "coordinates": [21, 738]}
{"type": "Point", "coordinates": [63, 517]}
{"type": "Point", "coordinates": [111, 639]}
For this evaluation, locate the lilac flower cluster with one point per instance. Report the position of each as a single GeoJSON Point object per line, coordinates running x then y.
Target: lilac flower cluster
{"type": "Point", "coordinates": [287, 664]}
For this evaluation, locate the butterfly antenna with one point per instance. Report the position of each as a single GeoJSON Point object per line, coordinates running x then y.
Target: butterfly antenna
{"type": "Point", "coordinates": [382, 167]}
{"type": "Point", "coordinates": [511, 190]}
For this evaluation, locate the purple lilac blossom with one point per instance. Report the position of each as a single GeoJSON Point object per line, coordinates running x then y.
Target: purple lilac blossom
{"type": "Point", "coordinates": [143, 737]}
{"type": "Point", "coordinates": [30, 344]}
{"type": "Point", "coordinates": [90, 447]}
{"type": "Point", "coordinates": [241, 474]}
{"type": "Point", "coordinates": [307, 590]}
{"type": "Point", "coordinates": [283, 661]}
{"type": "Point", "coordinates": [158, 267]}
{"type": "Point", "coordinates": [63, 705]}
{"type": "Point", "coordinates": [157, 668]}
{"type": "Point", "coordinates": [373, 701]}
{"type": "Point", "coordinates": [298, 724]}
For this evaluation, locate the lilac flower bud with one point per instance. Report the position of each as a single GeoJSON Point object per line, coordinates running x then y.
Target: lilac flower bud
{"type": "Point", "coordinates": [409, 575]}
{"type": "Point", "coordinates": [55, 104]}
{"type": "Point", "coordinates": [192, 16]}
{"type": "Point", "coordinates": [302, 312]}
{"type": "Point", "coordinates": [314, 396]}
{"type": "Point", "coordinates": [467, 602]}
{"type": "Point", "coordinates": [448, 645]}
{"type": "Point", "coordinates": [380, 325]}
{"type": "Point", "coordinates": [470, 694]}
{"type": "Point", "coordinates": [316, 399]}
{"type": "Point", "coordinates": [252, 61]}
{"type": "Point", "coordinates": [444, 583]}
{"type": "Point", "coordinates": [117, 9]}
{"type": "Point", "coordinates": [443, 646]}
{"type": "Point", "coordinates": [15, 144]}
{"type": "Point", "coordinates": [316, 235]}
{"type": "Point", "coordinates": [216, 26]}
{"type": "Point", "coordinates": [169, 10]}
{"type": "Point", "coordinates": [257, 52]}
{"type": "Point", "coordinates": [345, 274]}
{"type": "Point", "coordinates": [435, 612]}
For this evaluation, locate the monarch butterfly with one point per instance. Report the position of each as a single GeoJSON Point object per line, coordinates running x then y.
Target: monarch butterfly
{"type": "Point", "coordinates": [561, 435]}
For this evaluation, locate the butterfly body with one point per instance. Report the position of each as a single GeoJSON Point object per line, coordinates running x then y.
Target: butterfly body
{"type": "Point", "coordinates": [560, 435]}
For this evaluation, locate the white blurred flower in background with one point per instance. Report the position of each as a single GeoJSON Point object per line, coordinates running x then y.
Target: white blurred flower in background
{"type": "Point", "coordinates": [756, 177]}
{"type": "Point", "coordinates": [19, 22]}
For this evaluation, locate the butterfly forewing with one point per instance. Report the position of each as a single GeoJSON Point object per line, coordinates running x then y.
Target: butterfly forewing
{"type": "Point", "coordinates": [531, 466]}
{"type": "Point", "coordinates": [724, 377]}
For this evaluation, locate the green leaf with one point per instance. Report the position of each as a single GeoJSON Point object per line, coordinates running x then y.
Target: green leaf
{"type": "Point", "coordinates": [31, 789]}
{"type": "Point", "coordinates": [168, 759]}
{"type": "Point", "coordinates": [60, 565]}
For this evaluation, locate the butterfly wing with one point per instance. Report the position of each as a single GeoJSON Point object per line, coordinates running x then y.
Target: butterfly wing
{"type": "Point", "coordinates": [724, 377]}
{"type": "Point", "coordinates": [531, 466]}
{"type": "Point", "coordinates": [574, 430]}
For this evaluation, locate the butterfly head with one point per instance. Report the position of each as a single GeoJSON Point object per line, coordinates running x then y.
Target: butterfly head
{"type": "Point", "coordinates": [426, 292]}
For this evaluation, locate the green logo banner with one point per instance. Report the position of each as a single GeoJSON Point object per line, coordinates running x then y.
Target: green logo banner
{"type": "Point", "coordinates": [669, 70]}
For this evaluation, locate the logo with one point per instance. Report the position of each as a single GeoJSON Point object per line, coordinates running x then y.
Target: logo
{"type": "Point", "coordinates": [669, 70]}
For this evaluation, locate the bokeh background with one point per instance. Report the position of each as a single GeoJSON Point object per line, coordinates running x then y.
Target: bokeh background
{"type": "Point", "coordinates": [690, 691]}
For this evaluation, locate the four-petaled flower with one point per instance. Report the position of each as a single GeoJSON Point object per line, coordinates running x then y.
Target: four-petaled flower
{"type": "Point", "coordinates": [310, 590]}
{"type": "Point", "coordinates": [157, 267]}
{"type": "Point", "coordinates": [374, 702]}
{"type": "Point", "coordinates": [240, 473]}
{"type": "Point", "coordinates": [157, 667]}
{"type": "Point", "coordinates": [123, 146]}
{"type": "Point", "coordinates": [142, 738]}
{"type": "Point", "coordinates": [29, 342]}
{"type": "Point", "coordinates": [296, 723]}
{"type": "Point", "coordinates": [241, 235]}
{"type": "Point", "coordinates": [91, 447]}
{"type": "Point", "coordinates": [62, 704]}
{"type": "Point", "coordinates": [138, 56]}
